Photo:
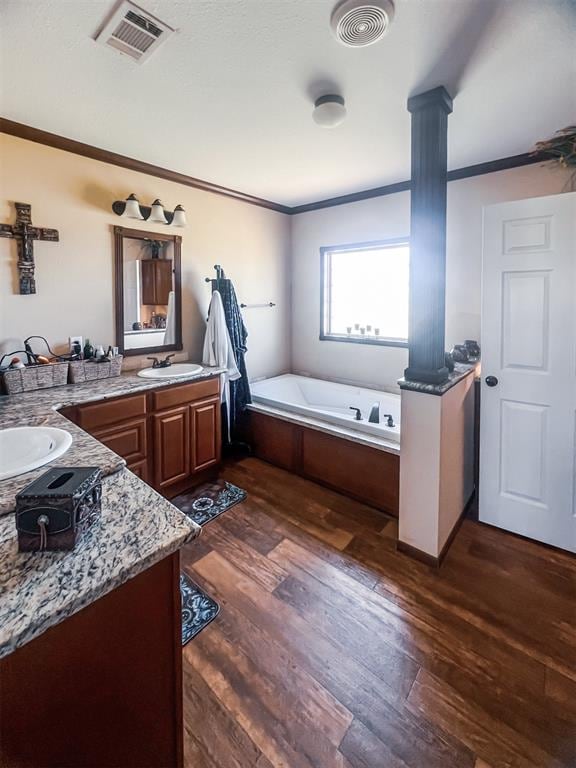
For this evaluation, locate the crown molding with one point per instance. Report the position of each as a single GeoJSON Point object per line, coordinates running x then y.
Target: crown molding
{"type": "Point", "coordinates": [104, 156]}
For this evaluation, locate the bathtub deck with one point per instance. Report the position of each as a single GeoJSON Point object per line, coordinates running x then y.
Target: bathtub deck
{"type": "Point", "coordinates": [332, 650]}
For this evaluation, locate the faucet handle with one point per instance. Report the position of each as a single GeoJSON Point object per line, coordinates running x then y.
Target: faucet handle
{"type": "Point", "coordinates": [155, 361]}
{"type": "Point", "coordinates": [389, 420]}
{"type": "Point", "coordinates": [358, 416]}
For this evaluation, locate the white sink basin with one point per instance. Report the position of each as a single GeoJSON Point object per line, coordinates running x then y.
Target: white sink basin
{"type": "Point", "coordinates": [25, 448]}
{"type": "Point", "coordinates": [171, 372]}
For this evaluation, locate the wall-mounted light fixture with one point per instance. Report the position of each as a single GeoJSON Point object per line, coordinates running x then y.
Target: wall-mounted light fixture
{"type": "Point", "coordinates": [131, 209]}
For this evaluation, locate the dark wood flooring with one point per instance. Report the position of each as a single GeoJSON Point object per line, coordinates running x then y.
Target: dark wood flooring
{"type": "Point", "coordinates": [332, 650]}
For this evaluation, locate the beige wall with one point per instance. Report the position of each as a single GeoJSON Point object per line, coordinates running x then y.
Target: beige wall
{"type": "Point", "coordinates": [387, 217]}
{"type": "Point", "coordinates": [75, 276]}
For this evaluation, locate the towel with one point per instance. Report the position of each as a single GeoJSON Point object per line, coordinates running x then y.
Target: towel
{"type": "Point", "coordinates": [170, 335]}
{"type": "Point", "coordinates": [218, 350]}
{"type": "Point", "coordinates": [240, 388]}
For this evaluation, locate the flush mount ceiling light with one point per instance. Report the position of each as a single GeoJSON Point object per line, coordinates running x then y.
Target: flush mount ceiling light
{"type": "Point", "coordinates": [357, 23]}
{"type": "Point", "coordinates": [329, 111]}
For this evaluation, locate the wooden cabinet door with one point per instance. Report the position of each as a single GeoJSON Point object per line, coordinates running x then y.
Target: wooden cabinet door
{"type": "Point", "coordinates": [156, 280]}
{"type": "Point", "coordinates": [205, 433]}
{"type": "Point", "coordinates": [163, 280]}
{"type": "Point", "coordinates": [171, 446]}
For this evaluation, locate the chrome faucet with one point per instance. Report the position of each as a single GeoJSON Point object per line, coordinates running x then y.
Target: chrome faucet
{"type": "Point", "coordinates": [374, 417]}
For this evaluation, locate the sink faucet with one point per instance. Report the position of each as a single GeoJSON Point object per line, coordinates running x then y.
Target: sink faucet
{"type": "Point", "coordinates": [358, 416]}
{"type": "Point", "coordinates": [156, 363]}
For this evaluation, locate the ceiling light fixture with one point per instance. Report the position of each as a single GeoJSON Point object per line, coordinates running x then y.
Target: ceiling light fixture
{"type": "Point", "coordinates": [329, 111]}
{"type": "Point", "coordinates": [131, 209]}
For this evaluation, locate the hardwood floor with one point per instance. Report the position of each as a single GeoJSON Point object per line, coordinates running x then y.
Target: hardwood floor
{"type": "Point", "coordinates": [332, 650]}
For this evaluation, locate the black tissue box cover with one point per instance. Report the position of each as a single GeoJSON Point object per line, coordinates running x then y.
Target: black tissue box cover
{"type": "Point", "coordinates": [54, 510]}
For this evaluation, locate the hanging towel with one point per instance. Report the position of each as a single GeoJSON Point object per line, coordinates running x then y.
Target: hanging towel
{"type": "Point", "coordinates": [170, 335]}
{"type": "Point", "coordinates": [218, 350]}
{"type": "Point", "coordinates": [239, 388]}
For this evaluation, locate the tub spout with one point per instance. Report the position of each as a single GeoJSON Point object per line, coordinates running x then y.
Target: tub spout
{"type": "Point", "coordinates": [374, 417]}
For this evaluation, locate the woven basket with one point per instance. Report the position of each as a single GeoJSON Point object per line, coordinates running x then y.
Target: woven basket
{"type": "Point", "coordinates": [87, 370]}
{"type": "Point", "coordinates": [28, 379]}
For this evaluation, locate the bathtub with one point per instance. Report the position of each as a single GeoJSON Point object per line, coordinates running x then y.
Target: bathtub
{"type": "Point", "coordinates": [329, 402]}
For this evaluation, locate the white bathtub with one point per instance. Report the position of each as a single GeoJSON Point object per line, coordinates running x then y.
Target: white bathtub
{"type": "Point", "coordinates": [330, 402]}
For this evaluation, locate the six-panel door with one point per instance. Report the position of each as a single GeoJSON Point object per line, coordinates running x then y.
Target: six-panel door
{"type": "Point", "coordinates": [528, 414]}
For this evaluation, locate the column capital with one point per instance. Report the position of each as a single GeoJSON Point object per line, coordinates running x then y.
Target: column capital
{"type": "Point", "coordinates": [437, 97]}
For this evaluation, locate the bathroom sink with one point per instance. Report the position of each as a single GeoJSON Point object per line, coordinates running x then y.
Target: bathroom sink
{"type": "Point", "coordinates": [25, 448]}
{"type": "Point", "coordinates": [171, 372]}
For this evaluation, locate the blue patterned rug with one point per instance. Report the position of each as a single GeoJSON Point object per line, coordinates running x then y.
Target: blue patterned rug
{"type": "Point", "coordinates": [202, 505]}
{"type": "Point", "coordinates": [209, 500]}
{"type": "Point", "coordinates": [198, 609]}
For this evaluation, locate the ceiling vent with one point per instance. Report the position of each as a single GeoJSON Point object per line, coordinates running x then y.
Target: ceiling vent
{"type": "Point", "coordinates": [133, 31]}
{"type": "Point", "coordinates": [356, 23]}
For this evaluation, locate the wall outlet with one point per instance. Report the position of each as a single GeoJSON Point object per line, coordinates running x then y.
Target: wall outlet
{"type": "Point", "coordinates": [73, 339]}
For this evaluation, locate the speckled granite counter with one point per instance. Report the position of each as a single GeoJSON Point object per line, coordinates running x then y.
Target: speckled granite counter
{"type": "Point", "coordinates": [138, 527]}
{"type": "Point", "coordinates": [461, 370]}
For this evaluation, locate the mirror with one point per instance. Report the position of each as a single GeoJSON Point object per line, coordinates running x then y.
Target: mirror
{"type": "Point", "coordinates": [148, 293]}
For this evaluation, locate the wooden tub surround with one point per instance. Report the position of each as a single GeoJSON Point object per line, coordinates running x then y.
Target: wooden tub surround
{"type": "Point", "coordinates": [366, 474]}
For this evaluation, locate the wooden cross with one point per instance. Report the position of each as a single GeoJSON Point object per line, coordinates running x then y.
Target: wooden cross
{"type": "Point", "coordinates": [25, 234]}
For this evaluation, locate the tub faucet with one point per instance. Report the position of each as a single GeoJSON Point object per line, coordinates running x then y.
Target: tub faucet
{"type": "Point", "coordinates": [374, 417]}
{"type": "Point", "coordinates": [389, 420]}
{"type": "Point", "coordinates": [358, 416]}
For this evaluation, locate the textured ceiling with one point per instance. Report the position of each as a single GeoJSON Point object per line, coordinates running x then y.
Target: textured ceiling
{"type": "Point", "coordinates": [229, 98]}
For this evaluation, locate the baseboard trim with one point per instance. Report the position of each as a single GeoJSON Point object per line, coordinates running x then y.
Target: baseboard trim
{"type": "Point", "coordinates": [426, 557]}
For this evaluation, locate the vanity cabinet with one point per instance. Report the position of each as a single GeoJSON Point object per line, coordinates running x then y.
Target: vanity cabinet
{"type": "Point", "coordinates": [169, 437]}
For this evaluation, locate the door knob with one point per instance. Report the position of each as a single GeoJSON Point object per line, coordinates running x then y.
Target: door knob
{"type": "Point", "coordinates": [491, 381]}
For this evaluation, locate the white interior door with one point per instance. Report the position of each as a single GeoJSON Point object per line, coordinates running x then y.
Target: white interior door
{"type": "Point", "coordinates": [528, 411]}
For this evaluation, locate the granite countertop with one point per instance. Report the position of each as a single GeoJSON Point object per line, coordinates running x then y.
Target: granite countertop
{"type": "Point", "coordinates": [461, 370]}
{"type": "Point", "coordinates": [138, 527]}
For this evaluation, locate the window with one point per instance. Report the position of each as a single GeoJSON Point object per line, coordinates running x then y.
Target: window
{"type": "Point", "coordinates": [364, 293]}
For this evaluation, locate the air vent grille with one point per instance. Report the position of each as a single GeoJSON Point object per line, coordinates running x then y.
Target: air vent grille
{"type": "Point", "coordinates": [356, 23]}
{"type": "Point", "coordinates": [133, 32]}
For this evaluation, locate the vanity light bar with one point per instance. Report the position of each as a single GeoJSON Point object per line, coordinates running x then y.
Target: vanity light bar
{"type": "Point", "coordinates": [131, 209]}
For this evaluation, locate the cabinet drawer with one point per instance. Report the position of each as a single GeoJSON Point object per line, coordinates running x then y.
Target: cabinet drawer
{"type": "Point", "coordinates": [91, 417]}
{"type": "Point", "coordinates": [127, 439]}
{"type": "Point", "coordinates": [185, 393]}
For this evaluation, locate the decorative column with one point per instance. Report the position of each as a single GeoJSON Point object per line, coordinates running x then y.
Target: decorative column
{"type": "Point", "coordinates": [429, 112]}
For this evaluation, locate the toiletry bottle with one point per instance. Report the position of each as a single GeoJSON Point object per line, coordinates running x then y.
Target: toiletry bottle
{"type": "Point", "coordinates": [88, 350]}
{"type": "Point", "coordinates": [99, 352]}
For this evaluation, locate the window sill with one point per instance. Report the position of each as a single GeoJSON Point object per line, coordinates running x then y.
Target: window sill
{"type": "Point", "coordinates": [370, 340]}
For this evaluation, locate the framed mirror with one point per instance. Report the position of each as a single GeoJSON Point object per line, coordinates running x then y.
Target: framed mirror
{"type": "Point", "coordinates": [148, 291]}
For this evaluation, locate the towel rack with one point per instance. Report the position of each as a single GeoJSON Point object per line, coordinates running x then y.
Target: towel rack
{"type": "Point", "coordinates": [220, 275]}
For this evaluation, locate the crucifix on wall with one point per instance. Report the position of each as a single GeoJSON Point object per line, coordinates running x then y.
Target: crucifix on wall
{"type": "Point", "coordinates": [25, 234]}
